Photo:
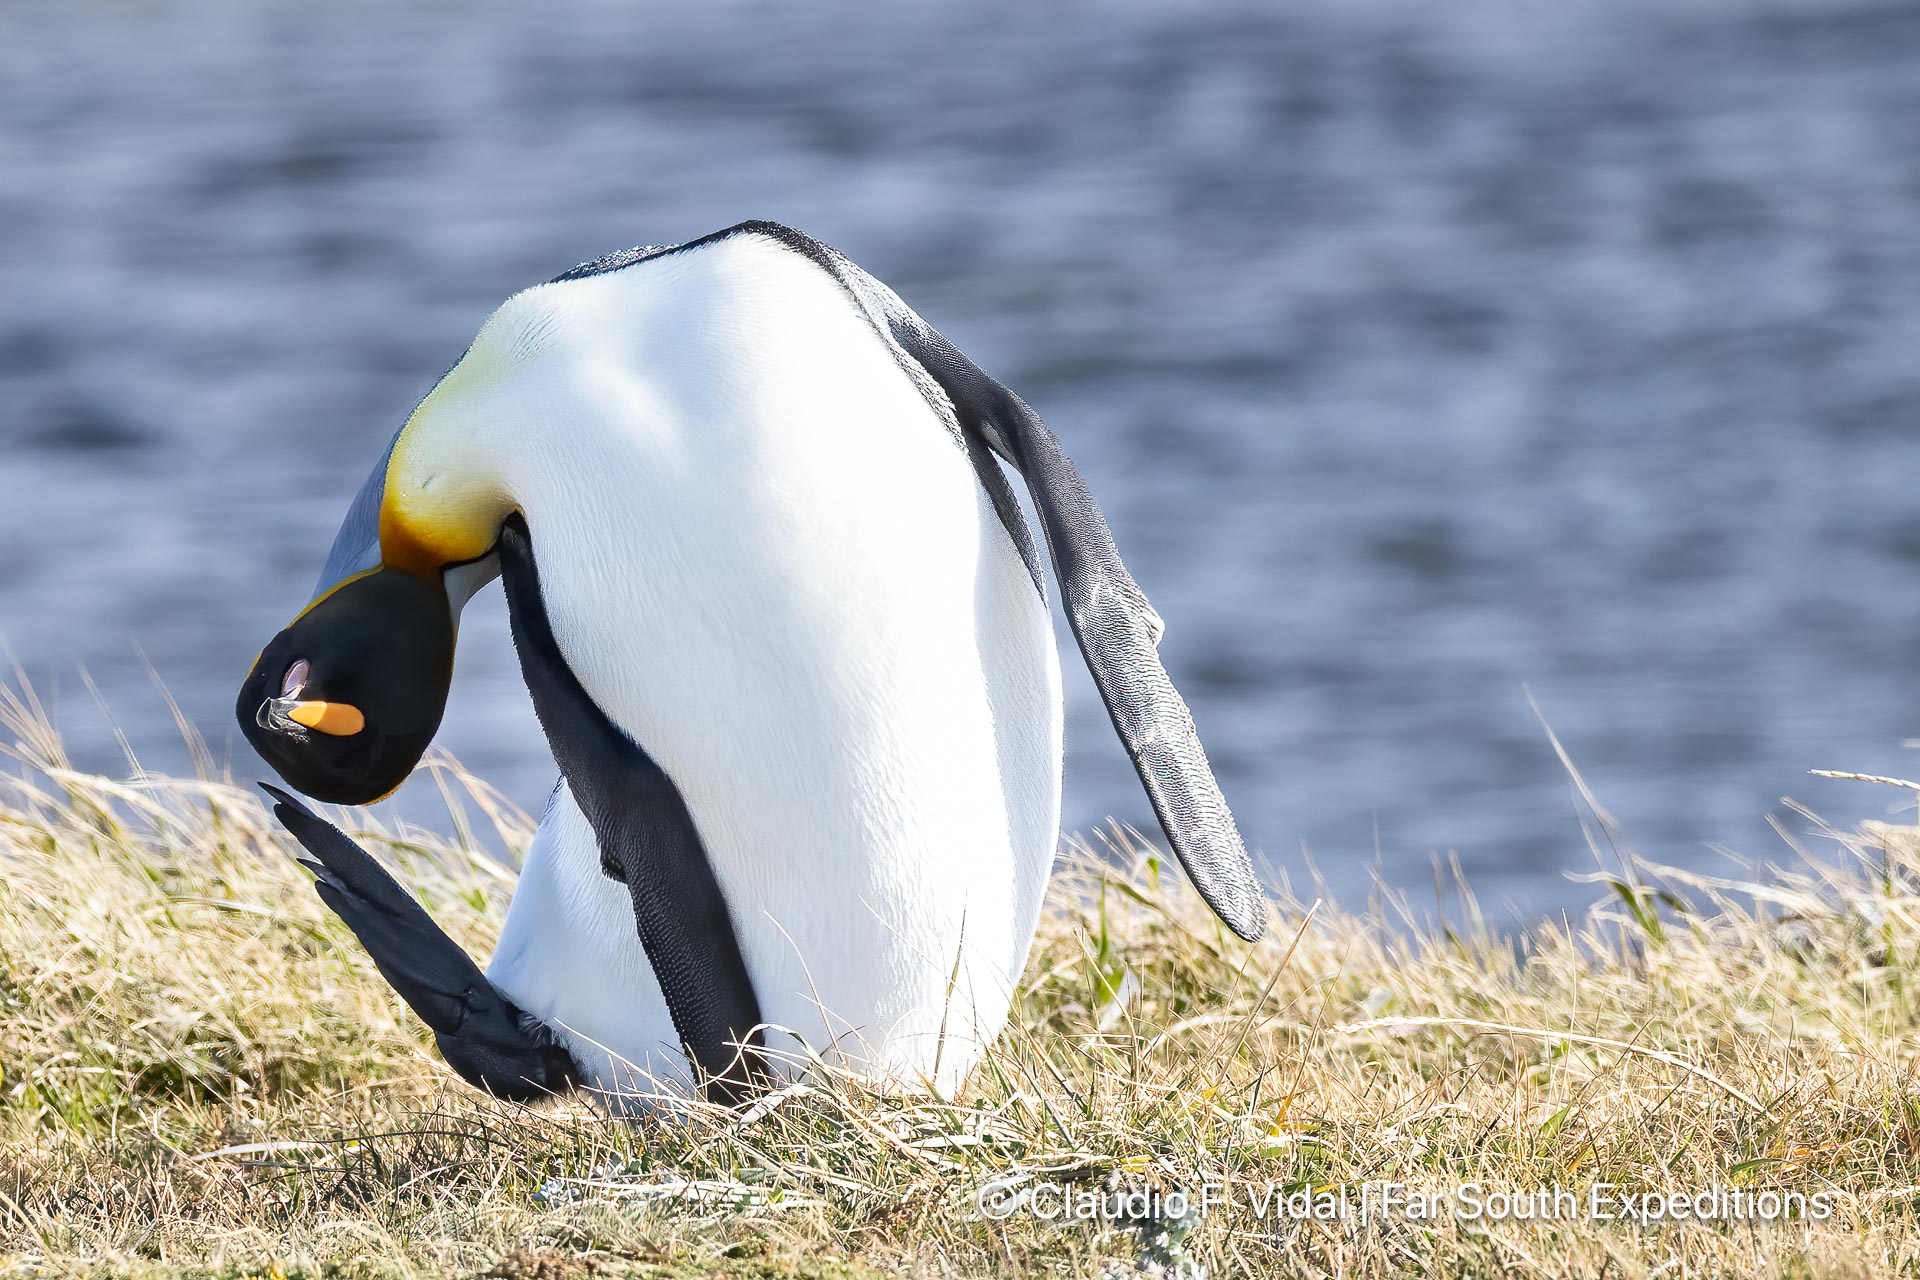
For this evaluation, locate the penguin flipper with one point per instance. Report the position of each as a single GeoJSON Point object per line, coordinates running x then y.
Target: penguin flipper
{"type": "Point", "coordinates": [1117, 630]}
{"type": "Point", "coordinates": [647, 841]}
{"type": "Point", "coordinates": [483, 1035]}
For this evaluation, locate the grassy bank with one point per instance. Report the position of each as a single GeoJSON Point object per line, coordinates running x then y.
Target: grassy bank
{"type": "Point", "coordinates": [203, 1074]}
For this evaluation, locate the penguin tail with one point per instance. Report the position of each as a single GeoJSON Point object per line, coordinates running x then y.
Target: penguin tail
{"type": "Point", "coordinates": [490, 1041]}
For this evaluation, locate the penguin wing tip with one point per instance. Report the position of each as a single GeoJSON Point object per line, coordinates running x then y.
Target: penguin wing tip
{"type": "Point", "coordinates": [286, 805]}
{"type": "Point", "coordinates": [1249, 923]}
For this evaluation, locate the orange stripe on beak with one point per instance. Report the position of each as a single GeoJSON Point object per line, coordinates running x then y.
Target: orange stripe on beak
{"type": "Point", "coordinates": [337, 719]}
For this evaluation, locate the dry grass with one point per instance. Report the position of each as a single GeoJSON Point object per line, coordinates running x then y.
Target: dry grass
{"type": "Point", "coordinates": [203, 1074]}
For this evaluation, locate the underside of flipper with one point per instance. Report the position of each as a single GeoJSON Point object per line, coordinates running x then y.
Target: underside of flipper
{"type": "Point", "coordinates": [486, 1038]}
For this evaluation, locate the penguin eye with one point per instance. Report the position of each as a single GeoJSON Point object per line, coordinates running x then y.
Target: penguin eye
{"type": "Point", "coordinates": [296, 678]}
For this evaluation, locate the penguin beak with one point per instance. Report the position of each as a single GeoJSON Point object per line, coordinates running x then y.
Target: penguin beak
{"type": "Point", "coordinates": [317, 714]}
{"type": "Point", "coordinates": [281, 714]}
{"type": "Point", "coordinates": [336, 719]}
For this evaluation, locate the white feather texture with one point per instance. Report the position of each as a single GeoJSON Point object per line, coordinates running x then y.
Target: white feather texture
{"type": "Point", "coordinates": [767, 559]}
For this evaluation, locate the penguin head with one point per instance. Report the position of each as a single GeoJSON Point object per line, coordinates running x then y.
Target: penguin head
{"type": "Point", "coordinates": [343, 702]}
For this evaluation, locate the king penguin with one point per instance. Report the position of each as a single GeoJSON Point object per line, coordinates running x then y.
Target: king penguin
{"type": "Point", "coordinates": [786, 632]}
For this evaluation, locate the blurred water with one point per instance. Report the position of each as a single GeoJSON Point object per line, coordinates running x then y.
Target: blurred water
{"type": "Point", "coordinates": [1420, 357]}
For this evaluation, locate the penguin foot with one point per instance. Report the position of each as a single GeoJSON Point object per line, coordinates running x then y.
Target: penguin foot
{"type": "Point", "coordinates": [490, 1041]}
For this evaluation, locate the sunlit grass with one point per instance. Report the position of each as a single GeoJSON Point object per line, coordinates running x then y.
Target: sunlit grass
{"type": "Point", "coordinates": [200, 1071]}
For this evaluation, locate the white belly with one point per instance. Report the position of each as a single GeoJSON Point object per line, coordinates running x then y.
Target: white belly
{"type": "Point", "coordinates": [791, 589]}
